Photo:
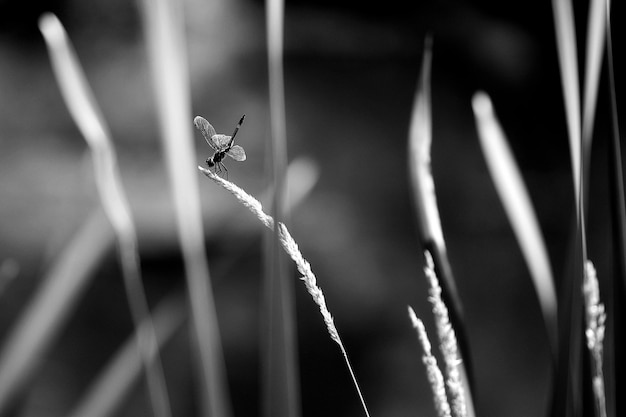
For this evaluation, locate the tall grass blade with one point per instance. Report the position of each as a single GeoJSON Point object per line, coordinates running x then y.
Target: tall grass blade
{"type": "Point", "coordinates": [164, 30]}
{"type": "Point", "coordinates": [303, 266]}
{"type": "Point", "coordinates": [425, 200]}
{"type": "Point", "coordinates": [568, 383]}
{"type": "Point", "coordinates": [596, 32]}
{"type": "Point", "coordinates": [519, 209]}
{"type": "Point", "coordinates": [616, 374]}
{"type": "Point", "coordinates": [27, 343]}
{"type": "Point", "coordinates": [568, 60]}
{"type": "Point", "coordinates": [86, 114]}
{"type": "Point", "coordinates": [110, 388]}
{"type": "Point", "coordinates": [275, 10]}
{"type": "Point", "coordinates": [281, 388]}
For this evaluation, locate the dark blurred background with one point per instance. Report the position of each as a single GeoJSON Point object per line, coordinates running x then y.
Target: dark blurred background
{"type": "Point", "coordinates": [351, 70]}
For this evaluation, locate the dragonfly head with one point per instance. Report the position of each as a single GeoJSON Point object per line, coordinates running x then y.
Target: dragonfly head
{"type": "Point", "coordinates": [210, 162]}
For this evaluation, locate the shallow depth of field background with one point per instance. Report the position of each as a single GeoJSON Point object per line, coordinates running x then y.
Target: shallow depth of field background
{"type": "Point", "coordinates": [351, 69]}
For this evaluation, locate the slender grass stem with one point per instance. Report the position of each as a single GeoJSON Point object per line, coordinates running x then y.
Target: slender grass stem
{"type": "Point", "coordinates": [291, 247]}
{"type": "Point", "coordinates": [164, 26]}
{"type": "Point", "coordinates": [281, 388]}
{"type": "Point", "coordinates": [616, 375]}
{"type": "Point", "coordinates": [569, 382]}
{"type": "Point", "coordinates": [568, 60]}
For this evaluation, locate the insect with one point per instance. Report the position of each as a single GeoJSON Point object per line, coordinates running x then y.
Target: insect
{"type": "Point", "coordinates": [222, 144]}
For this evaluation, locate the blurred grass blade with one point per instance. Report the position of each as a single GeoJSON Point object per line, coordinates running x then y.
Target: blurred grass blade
{"type": "Point", "coordinates": [164, 30]}
{"type": "Point", "coordinates": [420, 140]}
{"type": "Point", "coordinates": [616, 363]}
{"type": "Point", "coordinates": [123, 371]}
{"type": "Point", "coordinates": [281, 387]}
{"type": "Point", "coordinates": [425, 202]}
{"type": "Point", "coordinates": [423, 186]}
{"type": "Point", "coordinates": [518, 207]}
{"type": "Point", "coordinates": [568, 60]}
{"type": "Point", "coordinates": [35, 331]}
{"type": "Point", "coordinates": [596, 32]}
{"type": "Point", "coordinates": [302, 175]}
{"type": "Point", "coordinates": [87, 115]}
{"type": "Point", "coordinates": [569, 385]}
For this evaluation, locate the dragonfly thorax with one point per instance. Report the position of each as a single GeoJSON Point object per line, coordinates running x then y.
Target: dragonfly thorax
{"type": "Point", "coordinates": [215, 159]}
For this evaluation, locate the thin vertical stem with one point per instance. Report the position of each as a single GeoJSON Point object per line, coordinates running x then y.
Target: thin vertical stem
{"type": "Point", "coordinates": [281, 395]}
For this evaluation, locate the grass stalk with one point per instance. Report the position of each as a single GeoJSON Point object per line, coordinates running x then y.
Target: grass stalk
{"type": "Point", "coordinates": [519, 209]}
{"type": "Point", "coordinates": [281, 388]}
{"type": "Point", "coordinates": [87, 115]}
{"type": "Point", "coordinates": [435, 377]}
{"type": "Point", "coordinates": [425, 200]}
{"type": "Point", "coordinates": [291, 248]}
{"type": "Point", "coordinates": [568, 399]}
{"type": "Point", "coordinates": [164, 30]}
{"type": "Point", "coordinates": [616, 372]}
{"type": "Point", "coordinates": [27, 343]}
{"type": "Point", "coordinates": [568, 64]}
{"type": "Point", "coordinates": [595, 319]}
{"type": "Point", "coordinates": [457, 384]}
{"type": "Point", "coordinates": [596, 34]}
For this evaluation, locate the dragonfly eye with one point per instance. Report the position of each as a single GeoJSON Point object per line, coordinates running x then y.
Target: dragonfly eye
{"type": "Point", "coordinates": [210, 162]}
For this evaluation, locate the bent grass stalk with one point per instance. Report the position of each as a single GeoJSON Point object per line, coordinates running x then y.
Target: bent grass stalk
{"type": "Point", "coordinates": [88, 117]}
{"type": "Point", "coordinates": [291, 247]}
{"type": "Point", "coordinates": [425, 199]}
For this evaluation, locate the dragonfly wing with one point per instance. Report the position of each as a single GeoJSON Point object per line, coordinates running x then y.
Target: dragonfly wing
{"type": "Point", "coordinates": [237, 153]}
{"type": "Point", "coordinates": [221, 142]}
{"type": "Point", "coordinates": [206, 129]}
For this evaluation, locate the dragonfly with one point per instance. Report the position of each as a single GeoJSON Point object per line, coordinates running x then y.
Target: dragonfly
{"type": "Point", "coordinates": [222, 145]}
